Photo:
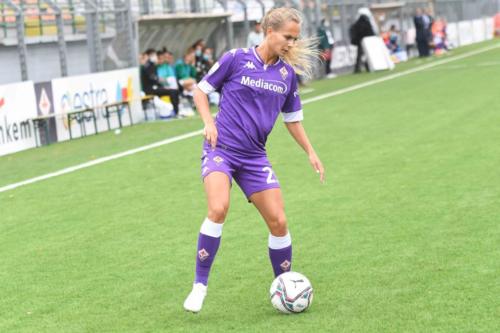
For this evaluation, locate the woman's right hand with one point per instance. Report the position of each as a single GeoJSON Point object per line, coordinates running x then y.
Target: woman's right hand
{"type": "Point", "coordinates": [210, 133]}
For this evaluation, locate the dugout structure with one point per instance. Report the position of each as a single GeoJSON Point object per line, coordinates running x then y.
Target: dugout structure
{"type": "Point", "coordinates": [177, 32]}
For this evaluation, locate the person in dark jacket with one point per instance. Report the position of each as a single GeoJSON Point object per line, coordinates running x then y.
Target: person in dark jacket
{"type": "Point", "coordinates": [422, 23]}
{"type": "Point", "coordinates": [151, 84]}
{"type": "Point", "coordinates": [360, 29]}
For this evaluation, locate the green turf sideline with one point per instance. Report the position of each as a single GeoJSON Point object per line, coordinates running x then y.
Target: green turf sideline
{"type": "Point", "coordinates": [402, 237]}
{"type": "Point", "coordinates": [196, 133]}
{"type": "Point", "coordinates": [101, 160]}
{"type": "Point", "coordinates": [396, 75]}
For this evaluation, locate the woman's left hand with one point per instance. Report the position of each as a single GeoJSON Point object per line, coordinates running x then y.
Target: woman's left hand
{"type": "Point", "coordinates": [317, 165]}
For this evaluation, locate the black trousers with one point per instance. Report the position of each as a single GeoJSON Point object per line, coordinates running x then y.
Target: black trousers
{"type": "Point", "coordinates": [359, 60]}
{"type": "Point", "coordinates": [327, 66]}
{"type": "Point", "coordinates": [423, 47]}
{"type": "Point", "coordinates": [172, 93]}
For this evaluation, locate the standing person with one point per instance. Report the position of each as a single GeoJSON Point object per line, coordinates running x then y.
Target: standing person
{"type": "Point", "coordinates": [257, 84]}
{"type": "Point", "coordinates": [363, 27]}
{"type": "Point", "coordinates": [422, 34]}
{"type": "Point", "coordinates": [326, 43]}
{"type": "Point", "coordinates": [256, 36]}
{"type": "Point", "coordinates": [428, 22]}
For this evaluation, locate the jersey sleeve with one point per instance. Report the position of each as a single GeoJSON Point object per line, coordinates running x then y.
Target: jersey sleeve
{"type": "Point", "coordinates": [292, 108]}
{"type": "Point", "coordinates": [219, 72]}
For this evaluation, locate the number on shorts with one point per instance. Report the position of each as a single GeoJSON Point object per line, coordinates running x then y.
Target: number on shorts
{"type": "Point", "coordinates": [270, 179]}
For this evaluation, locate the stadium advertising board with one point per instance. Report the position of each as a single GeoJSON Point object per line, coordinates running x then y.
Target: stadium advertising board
{"type": "Point", "coordinates": [343, 56]}
{"type": "Point", "coordinates": [482, 29]}
{"type": "Point", "coordinates": [452, 36]}
{"type": "Point", "coordinates": [490, 28]}
{"type": "Point", "coordinates": [45, 109]}
{"type": "Point", "coordinates": [467, 32]}
{"type": "Point", "coordinates": [377, 54]}
{"type": "Point", "coordinates": [17, 106]}
{"type": "Point", "coordinates": [466, 36]}
{"type": "Point", "coordinates": [91, 91]}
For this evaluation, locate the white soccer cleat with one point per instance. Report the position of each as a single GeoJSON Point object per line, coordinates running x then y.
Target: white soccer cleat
{"type": "Point", "coordinates": [195, 299]}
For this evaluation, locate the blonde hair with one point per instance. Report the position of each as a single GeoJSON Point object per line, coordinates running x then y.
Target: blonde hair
{"type": "Point", "coordinates": [302, 54]}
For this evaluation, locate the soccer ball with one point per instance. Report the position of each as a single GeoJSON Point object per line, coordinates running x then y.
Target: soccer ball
{"type": "Point", "coordinates": [291, 292]}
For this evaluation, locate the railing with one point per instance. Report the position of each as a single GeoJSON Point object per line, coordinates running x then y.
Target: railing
{"type": "Point", "coordinates": [40, 19]}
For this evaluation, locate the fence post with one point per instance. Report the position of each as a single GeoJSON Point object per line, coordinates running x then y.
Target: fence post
{"type": "Point", "coordinates": [229, 25]}
{"type": "Point", "coordinates": [63, 54]}
{"type": "Point", "coordinates": [246, 25]}
{"type": "Point", "coordinates": [93, 37]}
{"type": "Point", "coordinates": [21, 44]}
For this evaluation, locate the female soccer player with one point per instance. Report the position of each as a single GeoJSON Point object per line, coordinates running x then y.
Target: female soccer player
{"type": "Point", "coordinates": [257, 84]}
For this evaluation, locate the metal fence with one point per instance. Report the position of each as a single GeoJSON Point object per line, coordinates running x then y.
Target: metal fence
{"type": "Point", "coordinates": [25, 22]}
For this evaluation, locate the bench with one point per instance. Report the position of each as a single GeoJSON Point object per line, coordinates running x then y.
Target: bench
{"type": "Point", "coordinates": [44, 122]}
{"type": "Point", "coordinates": [79, 115]}
{"type": "Point", "coordinates": [116, 108]}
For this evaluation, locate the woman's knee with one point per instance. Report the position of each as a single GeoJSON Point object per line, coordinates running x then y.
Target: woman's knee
{"type": "Point", "coordinates": [278, 225]}
{"type": "Point", "coordinates": [217, 212]}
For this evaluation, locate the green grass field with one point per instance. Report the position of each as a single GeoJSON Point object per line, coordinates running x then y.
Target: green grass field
{"type": "Point", "coordinates": [403, 237]}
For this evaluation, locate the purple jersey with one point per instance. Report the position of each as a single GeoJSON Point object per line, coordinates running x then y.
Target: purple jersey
{"type": "Point", "coordinates": [253, 95]}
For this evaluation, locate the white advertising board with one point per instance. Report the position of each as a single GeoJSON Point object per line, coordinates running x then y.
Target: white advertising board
{"type": "Point", "coordinates": [93, 90]}
{"type": "Point", "coordinates": [490, 28]}
{"type": "Point", "coordinates": [343, 56]}
{"type": "Point", "coordinates": [479, 30]}
{"type": "Point", "coordinates": [377, 54]}
{"type": "Point", "coordinates": [17, 106]}
{"type": "Point", "coordinates": [465, 33]}
{"type": "Point", "coordinates": [452, 35]}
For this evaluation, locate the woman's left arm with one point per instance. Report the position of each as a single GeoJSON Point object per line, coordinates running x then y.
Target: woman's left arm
{"type": "Point", "coordinates": [299, 134]}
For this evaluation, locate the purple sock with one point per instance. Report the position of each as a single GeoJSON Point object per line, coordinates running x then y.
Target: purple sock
{"type": "Point", "coordinates": [281, 259]}
{"type": "Point", "coordinates": [207, 249]}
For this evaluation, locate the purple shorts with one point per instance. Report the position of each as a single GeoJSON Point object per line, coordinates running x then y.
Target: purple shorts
{"type": "Point", "coordinates": [252, 174]}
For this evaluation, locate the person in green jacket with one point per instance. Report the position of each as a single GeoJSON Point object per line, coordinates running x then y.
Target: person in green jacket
{"type": "Point", "coordinates": [186, 73]}
{"type": "Point", "coordinates": [325, 46]}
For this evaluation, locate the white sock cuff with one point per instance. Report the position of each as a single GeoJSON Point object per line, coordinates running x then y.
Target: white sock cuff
{"type": "Point", "coordinates": [277, 243]}
{"type": "Point", "coordinates": [211, 228]}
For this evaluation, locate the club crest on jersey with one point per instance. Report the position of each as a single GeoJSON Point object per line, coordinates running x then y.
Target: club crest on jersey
{"type": "Point", "coordinates": [218, 160]}
{"type": "Point", "coordinates": [203, 254]}
{"type": "Point", "coordinates": [249, 65]}
{"type": "Point", "coordinates": [283, 72]}
{"type": "Point", "coordinates": [285, 265]}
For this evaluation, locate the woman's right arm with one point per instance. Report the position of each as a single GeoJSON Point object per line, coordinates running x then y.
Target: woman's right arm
{"type": "Point", "coordinates": [210, 130]}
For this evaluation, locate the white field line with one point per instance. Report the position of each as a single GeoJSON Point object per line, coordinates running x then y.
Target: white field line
{"type": "Point", "coordinates": [199, 132]}
{"type": "Point", "coordinates": [306, 91]}
{"type": "Point", "coordinates": [397, 75]}
{"type": "Point", "coordinates": [455, 67]}
{"type": "Point", "coordinates": [100, 160]}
